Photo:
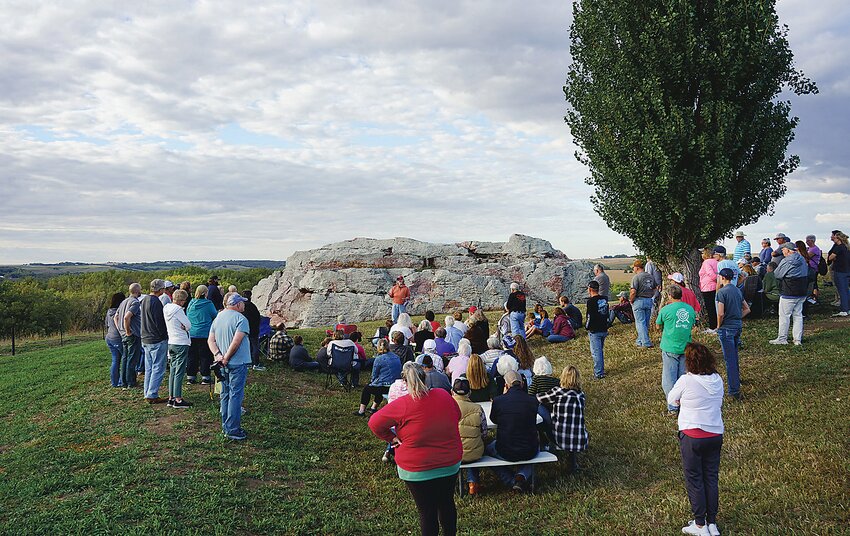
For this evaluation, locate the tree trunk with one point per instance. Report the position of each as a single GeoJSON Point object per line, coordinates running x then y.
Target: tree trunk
{"type": "Point", "coordinates": [688, 266]}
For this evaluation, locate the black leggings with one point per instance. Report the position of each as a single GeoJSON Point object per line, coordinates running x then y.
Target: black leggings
{"type": "Point", "coordinates": [199, 356]}
{"type": "Point", "coordinates": [377, 391]}
{"type": "Point", "coordinates": [710, 308]}
{"type": "Point", "coordinates": [435, 500]}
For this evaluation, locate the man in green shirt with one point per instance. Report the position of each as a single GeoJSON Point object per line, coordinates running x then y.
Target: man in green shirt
{"type": "Point", "coordinates": [676, 319]}
{"type": "Point", "coordinates": [771, 289]}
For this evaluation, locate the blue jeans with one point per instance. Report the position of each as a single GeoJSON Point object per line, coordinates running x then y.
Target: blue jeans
{"type": "Point", "coordinates": [729, 340]}
{"type": "Point", "coordinates": [232, 395]}
{"type": "Point", "coordinates": [517, 323]}
{"type": "Point", "coordinates": [130, 353]}
{"type": "Point", "coordinates": [672, 366]}
{"type": "Point", "coordinates": [156, 356]}
{"type": "Point", "coordinates": [557, 338]}
{"type": "Point", "coordinates": [507, 474]}
{"type": "Point", "coordinates": [597, 345]}
{"type": "Point", "coordinates": [341, 375]}
{"type": "Point", "coordinates": [547, 425]}
{"type": "Point", "coordinates": [114, 370]}
{"type": "Point", "coordinates": [842, 280]}
{"type": "Point", "coordinates": [397, 310]}
{"type": "Point", "coordinates": [642, 309]}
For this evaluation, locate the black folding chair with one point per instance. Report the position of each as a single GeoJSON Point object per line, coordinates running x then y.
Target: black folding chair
{"type": "Point", "coordinates": [383, 333]}
{"type": "Point", "coordinates": [341, 365]}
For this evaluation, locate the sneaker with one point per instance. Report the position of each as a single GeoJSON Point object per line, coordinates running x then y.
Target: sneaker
{"type": "Point", "coordinates": [842, 313]}
{"type": "Point", "coordinates": [519, 483]}
{"type": "Point", "coordinates": [183, 404]}
{"type": "Point", "coordinates": [358, 414]}
{"type": "Point", "coordinates": [713, 530]}
{"type": "Point", "coordinates": [191, 379]}
{"type": "Point", "coordinates": [170, 403]}
{"type": "Point", "coordinates": [798, 343]}
{"type": "Point", "coordinates": [206, 381]}
{"type": "Point", "coordinates": [258, 368]}
{"type": "Point", "coordinates": [692, 528]}
{"type": "Point", "coordinates": [778, 341]}
{"type": "Point", "coordinates": [240, 435]}
{"type": "Point", "coordinates": [710, 331]}
{"type": "Point", "coordinates": [599, 376]}
{"type": "Point", "coordinates": [812, 301]}
{"type": "Point", "coordinates": [473, 488]}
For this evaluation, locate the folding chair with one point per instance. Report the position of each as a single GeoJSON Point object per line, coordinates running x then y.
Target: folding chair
{"type": "Point", "coordinates": [383, 333]}
{"type": "Point", "coordinates": [341, 362]}
{"type": "Point", "coordinates": [264, 336]}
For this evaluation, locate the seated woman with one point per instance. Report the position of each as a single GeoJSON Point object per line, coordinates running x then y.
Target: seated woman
{"type": "Point", "coordinates": [543, 382]}
{"type": "Point", "coordinates": [457, 365]}
{"type": "Point", "coordinates": [430, 349]}
{"type": "Point", "coordinates": [494, 350]}
{"type": "Point", "coordinates": [405, 325]}
{"type": "Point", "coordinates": [473, 429]}
{"type": "Point", "coordinates": [566, 404]}
{"type": "Point", "coordinates": [385, 370]}
{"type": "Point", "coordinates": [482, 388]}
{"type": "Point", "coordinates": [525, 360]}
{"type": "Point", "coordinates": [402, 350]}
{"type": "Point", "coordinates": [542, 327]}
{"type": "Point", "coordinates": [423, 333]}
{"type": "Point", "coordinates": [530, 321]}
{"type": "Point", "coordinates": [562, 330]}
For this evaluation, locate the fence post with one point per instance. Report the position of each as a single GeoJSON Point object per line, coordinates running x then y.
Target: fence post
{"type": "Point", "coordinates": [13, 339]}
{"type": "Point", "coordinates": [61, 342]}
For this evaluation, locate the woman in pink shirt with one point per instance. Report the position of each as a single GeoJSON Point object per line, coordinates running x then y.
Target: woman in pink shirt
{"type": "Point", "coordinates": [708, 286]}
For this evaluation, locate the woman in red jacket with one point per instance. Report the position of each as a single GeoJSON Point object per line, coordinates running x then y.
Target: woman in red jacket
{"type": "Point", "coordinates": [427, 448]}
{"type": "Point", "coordinates": [562, 330]}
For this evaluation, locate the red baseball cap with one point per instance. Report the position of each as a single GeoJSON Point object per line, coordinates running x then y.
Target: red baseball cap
{"type": "Point", "coordinates": [472, 309]}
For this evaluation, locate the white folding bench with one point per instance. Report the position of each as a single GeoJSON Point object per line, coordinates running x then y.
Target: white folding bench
{"type": "Point", "coordinates": [489, 461]}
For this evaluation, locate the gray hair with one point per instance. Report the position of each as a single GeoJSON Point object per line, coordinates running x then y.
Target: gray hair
{"type": "Point", "coordinates": [811, 237]}
{"type": "Point", "coordinates": [180, 295]}
{"type": "Point", "coordinates": [450, 321]}
{"type": "Point", "coordinates": [542, 366]}
{"type": "Point", "coordinates": [464, 348]}
{"type": "Point", "coordinates": [424, 326]}
{"type": "Point", "coordinates": [135, 287]}
{"type": "Point", "coordinates": [514, 286]}
{"type": "Point", "coordinates": [599, 267]}
{"type": "Point", "coordinates": [493, 343]}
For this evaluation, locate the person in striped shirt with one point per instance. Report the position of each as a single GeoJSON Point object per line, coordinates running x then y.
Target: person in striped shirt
{"type": "Point", "coordinates": [742, 248]}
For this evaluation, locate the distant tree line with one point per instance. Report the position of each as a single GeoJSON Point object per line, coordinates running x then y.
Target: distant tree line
{"type": "Point", "coordinates": [79, 301]}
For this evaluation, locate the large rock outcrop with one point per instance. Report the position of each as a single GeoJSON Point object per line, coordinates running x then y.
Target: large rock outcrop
{"type": "Point", "coordinates": [351, 278]}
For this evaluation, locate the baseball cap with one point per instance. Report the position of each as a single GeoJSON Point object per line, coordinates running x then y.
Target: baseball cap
{"type": "Point", "coordinates": [594, 285]}
{"type": "Point", "coordinates": [429, 345]}
{"type": "Point", "coordinates": [472, 309]}
{"type": "Point", "coordinates": [727, 273]}
{"type": "Point", "coordinates": [512, 377]}
{"type": "Point", "coordinates": [720, 249]}
{"type": "Point", "coordinates": [780, 235]}
{"type": "Point", "coordinates": [234, 299]}
{"type": "Point", "coordinates": [788, 245]}
{"type": "Point", "coordinates": [461, 386]}
{"type": "Point", "coordinates": [677, 277]}
{"type": "Point", "coordinates": [168, 284]}
{"type": "Point", "coordinates": [157, 284]}
{"type": "Point", "coordinates": [742, 261]}
{"type": "Point", "coordinates": [623, 294]}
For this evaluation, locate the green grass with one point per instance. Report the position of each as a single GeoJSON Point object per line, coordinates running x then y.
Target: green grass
{"type": "Point", "coordinates": [78, 457]}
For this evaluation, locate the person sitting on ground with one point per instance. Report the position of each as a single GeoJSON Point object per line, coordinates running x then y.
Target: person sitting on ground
{"type": "Point", "coordinates": [771, 289]}
{"type": "Point", "coordinates": [473, 430]}
{"type": "Point", "coordinates": [429, 316]}
{"type": "Point", "coordinates": [562, 329]}
{"type": "Point", "coordinates": [178, 326]}
{"type": "Point", "coordinates": [478, 331]}
{"type": "Point", "coordinates": [622, 311]}
{"type": "Point", "coordinates": [339, 341]}
{"type": "Point", "coordinates": [299, 358]}
{"type": "Point", "coordinates": [385, 370]}
{"type": "Point", "coordinates": [525, 359]}
{"type": "Point", "coordinates": [515, 415]}
{"type": "Point", "coordinates": [531, 319]}
{"type": "Point", "coordinates": [322, 353]}
{"type": "Point", "coordinates": [453, 334]}
{"type": "Point", "coordinates": [434, 378]}
{"type": "Point", "coordinates": [405, 325]}
{"type": "Point", "coordinates": [423, 333]}
{"type": "Point", "coordinates": [459, 323]}
{"type": "Point", "coordinates": [399, 348]}
{"type": "Point", "coordinates": [566, 403]}
{"type": "Point", "coordinates": [494, 350]}
{"type": "Point", "coordinates": [428, 448]}
{"type": "Point", "coordinates": [280, 343]}
{"type": "Point", "coordinates": [483, 389]}
{"type": "Point", "coordinates": [542, 327]}
{"type": "Point", "coordinates": [572, 312]}
{"type": "Point", "coordinates": [430, 349]}
{"type": "Point", "coordinates": [443, 347]}
{"type": "Point", "coordinates": [457, 365]}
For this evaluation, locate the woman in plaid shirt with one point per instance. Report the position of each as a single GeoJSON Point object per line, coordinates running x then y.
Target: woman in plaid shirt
{"type": "Point", "coordinates": [566, 404]}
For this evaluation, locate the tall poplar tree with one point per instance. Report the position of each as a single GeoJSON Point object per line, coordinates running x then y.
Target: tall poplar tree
{"type": "Point", "coordinates": [676, 107]}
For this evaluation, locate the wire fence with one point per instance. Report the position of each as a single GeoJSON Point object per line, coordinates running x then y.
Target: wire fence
{"type": "Point", "coordinates": [14, 344]}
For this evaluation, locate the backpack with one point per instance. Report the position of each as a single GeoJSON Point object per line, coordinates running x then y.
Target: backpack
{"type": "Point", "coordinates": [822, 267]}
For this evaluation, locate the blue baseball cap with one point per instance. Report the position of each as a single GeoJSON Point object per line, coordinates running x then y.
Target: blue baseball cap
{"type": "Point", "coordinates": [727, 273]}
{"type": "Point", "coordinates": [720, 249]}
{"type": "Point", "coordinates": [235, 298]}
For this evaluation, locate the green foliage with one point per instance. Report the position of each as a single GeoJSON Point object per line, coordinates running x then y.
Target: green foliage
{"type": "Point", "coordinates": [31, 308]}
{"type": "Point", "coordinates": [675, 106]}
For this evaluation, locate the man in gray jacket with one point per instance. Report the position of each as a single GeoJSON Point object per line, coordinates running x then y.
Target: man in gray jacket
{"type": "Point", "coordinates": [792, 279]}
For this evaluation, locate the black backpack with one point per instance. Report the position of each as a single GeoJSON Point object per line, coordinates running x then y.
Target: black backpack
{"type": "Point", "coordinates": [822, 267]}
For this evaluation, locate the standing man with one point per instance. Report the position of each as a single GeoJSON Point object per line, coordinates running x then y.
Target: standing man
{"type": "Point", "coordinates": [129, 326]}
{"type": "Point", "coordinates": [653, 270]}
{"type": "Point", "coordinates": [167, 293]}
{"type": "Point", "coordinates": [731, 310]}
{"type": "Point", "coordinates": [154, 341]}
{"type": "Point", "coordinates": [777, 254]}
{"type": "Point", "coordinates": [723, 262]}
{"type": "Point", "coordinates": [253, 316]}
{"type": "Point", "coordinates": [792, 276]}
{"type": "Point", "coordinates": [597, 327]}
{"type": "Point", "coordinates": [516, 310]}
{"type": "Point", "coordinates": [766, 253]}
{"type": "Point", "coordinates": [676, 320]}
{"type": "Point", "coordinates": [400, 295]}
{"type": "Point", "coordinates": [214, 293]}
{"type": "Point", "coordinates": [602, 278]}
{"type": "Point", "coordinates": [742, 248]}
{"type": "Point", "coordinates": [230, 347]}
{"type": "Point", "coordinates": [641, 294]}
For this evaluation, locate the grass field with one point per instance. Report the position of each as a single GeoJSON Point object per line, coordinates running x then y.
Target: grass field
{"type": "Point", "coordinates": [78, 457]}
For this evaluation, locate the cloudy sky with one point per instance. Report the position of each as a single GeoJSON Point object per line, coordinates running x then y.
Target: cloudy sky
{"type": "Point", "coordinates": [142, 131]}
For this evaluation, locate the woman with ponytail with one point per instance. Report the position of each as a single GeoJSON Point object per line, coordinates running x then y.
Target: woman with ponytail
{"type": "Point", "coordinates": [427, 446]}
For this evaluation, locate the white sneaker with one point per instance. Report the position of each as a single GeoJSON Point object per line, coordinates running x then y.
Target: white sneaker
{"type": "Point", "coordinates": [812, 301]}
{"type": "Point", "coordinates": [713, 530]}
{"type": "Point", "coordinates": [710, 331]}
{"type": "Point", "coordinates": [259, 368]}
{"type": "Point", "coordinates": [692, 528]}
{"type": "Point", "coordinates": [842, 313]}
{"type": "Point", "coordinates": [778, 341]}
{"type": "Point", "coordinates": [798, 343]}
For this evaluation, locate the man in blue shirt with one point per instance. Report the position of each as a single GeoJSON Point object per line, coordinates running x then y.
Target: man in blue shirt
{"type": "Point", "coordinates": [731, 309]}
{"type": "Point", "coordinates": [723, 262]}
{"type": "Point", "coordinates": [229, 331]}
{"type": "Point", "coordinates": [742, 248]}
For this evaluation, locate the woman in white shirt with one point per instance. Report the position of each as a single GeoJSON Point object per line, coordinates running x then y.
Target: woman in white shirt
{"type": "Point", "coordinates": [405, 325]}
{"type": "Point", "coordinates": [699, 397]}
{"type": "Point", "coordinates": [178, 326]}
